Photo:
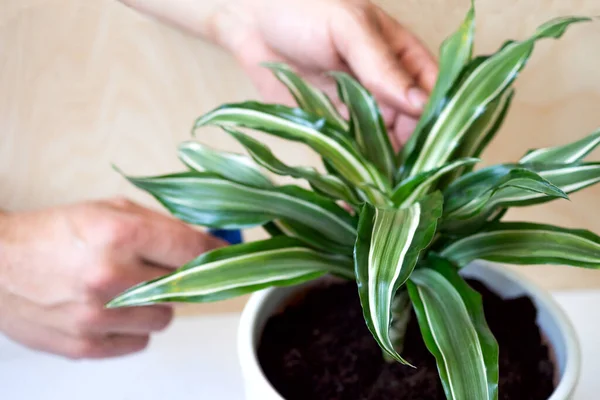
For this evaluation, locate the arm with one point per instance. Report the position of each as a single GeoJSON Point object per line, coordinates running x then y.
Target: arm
{"type": "Point", "coordinates": [194, 16]}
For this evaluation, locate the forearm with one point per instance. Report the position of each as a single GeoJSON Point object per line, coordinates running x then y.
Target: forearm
{"type": "Point", "coordinates": [198, 17]}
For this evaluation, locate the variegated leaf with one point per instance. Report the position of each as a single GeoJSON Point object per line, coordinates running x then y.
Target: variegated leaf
{"type": "Point", "coordinates": [366, 124]}
{"type": "Point", "coordinates": [307, 235]}
{"type": "Point", "coordinates": [208, 200]}
{"type": "Point", "coordinates": [455, 52]}
{"type": "Point", "coordinates": [237, 270]}
{"type": "Point", "coordinates": [411, 189]}
{"type": "Point", "coordinates": [454, 329]}
{"type": "Point", "coordinates": [231, 166]}
{"type": "Point", "coordinates": [294, 124]}
{"type": "Point", "coordinates": [483, 130]}
{"type": "Point", "coordinates": [528, 244]}
{"type": "Point", "coordinates": [326, 184]}
{"type": "Point", "coordinates": [472, 196]}
{"type": "Point", "coordinates": [566, 154]}
{"type": "Point", "coordinates": [488, 81]}
{"type": "Point", "coordinates": [568, 178]}
{"type": "Point", "coordinates": [308, 97]}
{"type": "Point", "coordinates": [387, 249]}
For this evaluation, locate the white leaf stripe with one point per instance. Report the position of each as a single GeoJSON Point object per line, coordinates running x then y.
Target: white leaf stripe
{"type": "Point", "coordinates": [568, 179]}
{"type": "Point", "coordinates": [381, 250]}
{"type": "Point", "coordinates": [387, 248]}
{"type": "Point", "coordinates": [445, 123]}
{"type": "Point", "coordinates": [566, 154]}
{"type": "Point", "coordinates": [493, 118]}
{"type": "Point", "coordinates": [307, 96]}
{"type": "Point", "coordinates": [344, 161]}
{"type": "Point", "coordinates": [499, 237]}
{"type": "Point", "coordinates": [235, 167]}
{"type": "Point", "coordinates": [484, 128]}
{"type": "Point", "coordinates": [311, 237]}
{"type": "Point", "coordinates": [455, 53]}
{"type": "Point", "coordinates": [294, 271]}
{"type": "Point", "coordinates": [339, 230]}
{"type": "Point", "coordinates": [525, 196]}
{"type": "Point", "coordinates": [368, 128]}
{"type": "Point", "coordinates": [529, 244]}
{"type": "Point", "coordinates": [482, 86]}
{"type": "Point", "coordinates": [331, 185]}
{"type": "Point", "coordinates": [418, 190]}
{"type": "Point", "coordinates": [236, 270]}
{"type": "Point", "coordinates": [494, 186]}
{"type": "Point", "coordinates": [450, 326]}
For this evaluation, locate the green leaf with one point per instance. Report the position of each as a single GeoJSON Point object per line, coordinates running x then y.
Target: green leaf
{"type": "Point", "coordinates": [204, 199]}
{"type": "Point", "coordinates": [234, 167]}
{"type": "Point", "coordinates": [480, 193]}
{"type": "Point", "coordinates": [294, 124]}
{"type": "Point", "coordinates": [328, 185]}
{"type": "Point", "coordinates": [387, 248]}
{"type": "Point", "coordinates": [569, 178]}
{"type": "Point", "coordinates": [557, 27]}
{"type": "Point", "coordinates": [488, 81]}
{"type": "Point", "coordinates": [237, 270]}
{"type": "Point", "coordinates": [566, 154]}
{"type": "Point", "coordinates": [366, 124]}
{"type": "Point", "coordinates": [484, 129]}
{"type": "Point", "coordinates": [411, 189]}
{"type": "Point", "coordinates": [455, 52]}
{"type": "Point", "coordinates": [311, 237]}
{"type": "Point", "coordinates": [308, 97]}
{"type": "Point", "coordinates": [454, 329]}
{"type": "Point", "coordinates": [528, 244]}
{"type": "Point", "coordinates": [401, 307]}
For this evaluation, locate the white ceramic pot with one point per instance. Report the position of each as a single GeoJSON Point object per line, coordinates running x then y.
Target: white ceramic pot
{"type": "Point", "coordinates": [554, 324]}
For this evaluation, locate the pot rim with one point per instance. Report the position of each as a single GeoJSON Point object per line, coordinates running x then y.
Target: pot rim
{"type": "Point", "coordinates": [249, 332]}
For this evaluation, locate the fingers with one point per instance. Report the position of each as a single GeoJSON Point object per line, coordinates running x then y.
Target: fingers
{"type": "Point", "coordinates": [403, 127]}
{"type": "Point", "coordinates": [157, 238]}
{"type": "Point", "coordinates": [104, 281]}
{"type": "Point", "coordinates": [97, 347]}
{"type": "Point", "coordinates": [170, 243]}
{"type": "Point", "coordinates": [414, 57]}
{"type": "Point", "coordinates": [107, 346]}
{"type": "Point", "coordinates": [251, 55]}
{"type": "Point", "coordinates": [359, 41]}
{"type": "Point", "coordinates": [83, 331]}
{"type": "Point", "coordinates": [134, 320]}
{"type": "Point", "coordinates": [95, 320]}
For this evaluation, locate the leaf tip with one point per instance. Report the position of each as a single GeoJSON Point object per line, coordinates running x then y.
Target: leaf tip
{"type": "Point", "coordinates": [115, 303]}
{"type": "Point", "coordinates": [559, 193]}
{"type": "Point", "coordinates": [117, 169]}
{"type": "Point", "coordinates": [275, 66]}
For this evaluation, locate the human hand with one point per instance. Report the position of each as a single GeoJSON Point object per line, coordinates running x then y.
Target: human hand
{"type": "Point", "coordinates": [59, 267]}
{"type": "Point", "coordinates": [316, 36]}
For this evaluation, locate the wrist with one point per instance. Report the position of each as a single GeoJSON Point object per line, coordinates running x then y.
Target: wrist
{"type": "Point", "coordinates": [193, 16]}
{"type": "Point", "coordinates": [229, 24]}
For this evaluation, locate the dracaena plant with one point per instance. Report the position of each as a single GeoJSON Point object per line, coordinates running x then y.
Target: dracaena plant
{"type": "Point", "coordinates": [412, 220]}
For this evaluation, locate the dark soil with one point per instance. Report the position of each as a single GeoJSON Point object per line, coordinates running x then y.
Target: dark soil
{"type": "Point", "coordinates": [321, 349]}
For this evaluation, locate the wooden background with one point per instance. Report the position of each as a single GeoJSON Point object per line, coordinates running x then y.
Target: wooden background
{"type": "Point", "coordinates": [84, 84]}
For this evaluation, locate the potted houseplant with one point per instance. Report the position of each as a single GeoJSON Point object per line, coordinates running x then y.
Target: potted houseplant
{"type": "Point", "coordinates": [373, 275]}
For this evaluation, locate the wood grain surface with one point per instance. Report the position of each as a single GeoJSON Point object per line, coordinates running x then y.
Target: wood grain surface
{"type": "Point", "coordinates": [84, 84]}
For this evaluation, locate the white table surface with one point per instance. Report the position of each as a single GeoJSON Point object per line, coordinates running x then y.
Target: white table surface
{"type": "Point", "coordinates": [196, 359]}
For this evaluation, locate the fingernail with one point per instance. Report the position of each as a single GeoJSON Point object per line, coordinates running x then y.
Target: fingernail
{"type": "Point", "coordinates": [417, 98]}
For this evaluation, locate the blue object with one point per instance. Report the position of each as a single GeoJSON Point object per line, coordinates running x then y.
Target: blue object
{"type": "Point", "coordinates": [232, 236]}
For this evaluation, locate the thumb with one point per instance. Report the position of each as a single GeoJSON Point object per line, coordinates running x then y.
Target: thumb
{"type": "Point", "coordinates": [168, 242]}
{"type": "Point", "coordinates": [359, 41]}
